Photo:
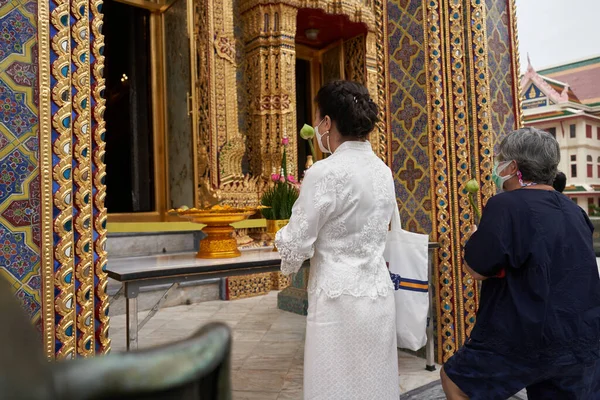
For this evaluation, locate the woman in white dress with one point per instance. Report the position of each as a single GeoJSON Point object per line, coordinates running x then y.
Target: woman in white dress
{"type": "Point", "coordinates": [340, 222]}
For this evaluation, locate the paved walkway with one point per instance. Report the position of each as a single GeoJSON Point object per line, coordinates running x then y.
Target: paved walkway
{"type": "Point", "coordinates": [268, 345]}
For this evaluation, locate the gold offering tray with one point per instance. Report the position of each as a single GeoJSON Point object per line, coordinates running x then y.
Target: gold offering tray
{"type": "Point", "coordinates": [219, 241]}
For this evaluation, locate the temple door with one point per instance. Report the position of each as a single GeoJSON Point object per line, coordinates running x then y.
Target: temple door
{"type": "Point", "coordinates": [180, 107]}
{"type": "Point", "coordinates": [332, 63]}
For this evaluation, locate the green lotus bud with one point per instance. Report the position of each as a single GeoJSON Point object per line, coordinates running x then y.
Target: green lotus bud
{"type": "Point", "coordinates": [307, 132]}
{"type": "Point", "coordinates": [472, 186]}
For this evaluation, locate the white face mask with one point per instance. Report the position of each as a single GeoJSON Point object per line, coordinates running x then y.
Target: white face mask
{"type": "Point", "coordinates": [500, 180]}
{"type": "Point", "coordinates": [320, 139]}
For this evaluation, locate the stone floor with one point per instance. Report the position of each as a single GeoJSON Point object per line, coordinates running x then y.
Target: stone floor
{"type": "Point", "coordinates": [268, 345]}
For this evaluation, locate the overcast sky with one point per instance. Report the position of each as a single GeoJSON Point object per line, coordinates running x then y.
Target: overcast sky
{"type": "Point", "coordinates": [557, 31]}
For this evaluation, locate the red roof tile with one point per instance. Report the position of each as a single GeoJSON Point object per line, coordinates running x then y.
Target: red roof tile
{"type": "Point", "coordinates": [583, 81]}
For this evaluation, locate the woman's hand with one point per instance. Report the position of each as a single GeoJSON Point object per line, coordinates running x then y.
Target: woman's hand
{"type": "Point", "coordinates": [472, 230]}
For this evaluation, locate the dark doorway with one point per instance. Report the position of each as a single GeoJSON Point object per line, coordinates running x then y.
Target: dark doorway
{"type": "Point", "coordinates": [129, 136]}
{"type": "Point", "coordinates": [303, 110]}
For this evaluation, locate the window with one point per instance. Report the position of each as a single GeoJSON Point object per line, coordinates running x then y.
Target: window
{"type": "Point", "coordinates": [573, 170]}
{"type": "Point", "coordinates": [573, 158]}
{"type": "Point", "coordinates": [598, 171]}
{"type": "Point", "coordinates": [589, 159]}
{"type": "Point", "coordinates": [573, 131]}
{"type": "Point", "coordinates": [598, 132]}
{"type": "Point", "coordinates": [590, 171]}
{"type": "Point", "coordinates": [552, 131]}
{"type": "Point", "coordinates": [588, 131]}
{"type": "Point", "coordinates": [591, 205]}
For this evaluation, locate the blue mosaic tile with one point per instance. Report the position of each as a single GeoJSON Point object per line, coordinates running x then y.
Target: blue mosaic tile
{"type": "Point", "coordinates": [14, 113]}
{"type": "Point", "coordinates": [30, 304]}
{"type": "Point", "coordinates": [15, 169]}
{"type": "Point", "coordinates": [15, 255]}
{"type": "Point", "coordinates": [15, 30]}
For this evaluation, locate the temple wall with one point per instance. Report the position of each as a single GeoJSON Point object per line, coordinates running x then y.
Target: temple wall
{"type": "Point", "coordinates": [499, 24]}
{"type": "Point", "coordinates": [452, 84]}
{"type": "Point", "coordinates": [19, 155]}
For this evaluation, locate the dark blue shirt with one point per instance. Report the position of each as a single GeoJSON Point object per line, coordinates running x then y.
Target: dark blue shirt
{"type": "Point", "coordinates": [548, 304]}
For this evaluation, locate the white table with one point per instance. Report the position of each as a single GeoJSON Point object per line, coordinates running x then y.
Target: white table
{"type": "Point", "coordinates": [135, 273]}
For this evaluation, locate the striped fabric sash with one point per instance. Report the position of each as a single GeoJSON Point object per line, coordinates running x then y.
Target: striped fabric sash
{"type": "Point", "coordinates": [413, 285]}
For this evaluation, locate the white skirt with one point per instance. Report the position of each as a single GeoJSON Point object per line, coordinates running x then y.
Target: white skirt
{"type": "Point", "coordinates": [350, 350]}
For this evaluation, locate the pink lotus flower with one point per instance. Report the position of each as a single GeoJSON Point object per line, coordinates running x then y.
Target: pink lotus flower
{"type": "Point", "coordinates": [285, 141]}
{"type": "Point", "coordinates": [291, 179]}
{"type": "Point", "coordinates": [275, 177]}
{"type": "Point", "coordinates": [282, 179]}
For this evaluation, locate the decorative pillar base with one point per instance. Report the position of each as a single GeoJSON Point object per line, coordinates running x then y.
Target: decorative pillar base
{"type": "Point", "coordinates": [279, 281]}
{"type": "Point", "coordinates": [294, 299]}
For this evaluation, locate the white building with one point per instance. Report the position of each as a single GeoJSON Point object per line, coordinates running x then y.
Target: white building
{"type": "Point", "coordinates": [565, 101]}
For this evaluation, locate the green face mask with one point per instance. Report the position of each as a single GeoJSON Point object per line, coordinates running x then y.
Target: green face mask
{"type": "Point", "coordinates": [500, 180]}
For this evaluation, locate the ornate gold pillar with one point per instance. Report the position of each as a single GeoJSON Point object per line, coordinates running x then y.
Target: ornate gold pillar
{"type": "Point", "coordinates": [270, 63]}
{"type": "Point", "coordinates": [374, 82]}
{"type": "Point", "coordinates": [221, 146]}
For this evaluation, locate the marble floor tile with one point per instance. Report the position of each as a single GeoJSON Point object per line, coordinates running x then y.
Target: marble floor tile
{"type": "Point", "coordinates": [249, 335]}
{"type": "Point", "coordinates": [278, 336]}
{"type": "Point", "coordinates": [254, 325]}
{"type": "Point", "coordinates": [293, 381]}
{"type": "Point", "coordinates": [258, 380]}
{"type": "Point", "coordinates": [284, 349]}
{"type": "Point", "coordinates": [290, 394]}
{"type": "Point", "coordinates": [268, 345]}
{"type": "Point", "coordinates": [238, 395]}
{"type": "Point", "coordinates": [275, 363]}
{"type": "Point", "coordinates": [413, 380]}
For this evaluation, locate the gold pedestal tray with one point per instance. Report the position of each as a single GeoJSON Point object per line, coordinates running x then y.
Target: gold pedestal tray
{"type": "Point", "coordinates": [219, 241]}
{"type": "Point", "coordinates": [273, 226]}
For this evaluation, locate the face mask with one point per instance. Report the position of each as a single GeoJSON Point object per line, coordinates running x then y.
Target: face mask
{"type": "Point", "coordinates": [320, 139]}
{"type": "Point", "coordinates": [500, 180]}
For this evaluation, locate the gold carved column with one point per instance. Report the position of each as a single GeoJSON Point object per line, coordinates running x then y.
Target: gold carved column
{"type": "Point", "coordinates": [270, 63]}
{"type": "Point", "coordinates": [375, 82]}
{"type": "Point", "coordinates": [221, 146]}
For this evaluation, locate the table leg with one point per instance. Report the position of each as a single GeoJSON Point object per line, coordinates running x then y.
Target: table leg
{"type": "Point", "coordinates": [429, 347]}
{"type": "Point", "coordinates": [132, 316]}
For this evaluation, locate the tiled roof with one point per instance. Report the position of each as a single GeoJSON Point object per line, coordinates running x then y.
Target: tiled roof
{"type": "Point", "coordinates": [583, 77]}
{"type": "Point", "coordinates": [559, 87]}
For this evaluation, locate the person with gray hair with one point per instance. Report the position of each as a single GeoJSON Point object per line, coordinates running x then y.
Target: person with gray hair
{"type": "Point", "coordinates": [538, 323]}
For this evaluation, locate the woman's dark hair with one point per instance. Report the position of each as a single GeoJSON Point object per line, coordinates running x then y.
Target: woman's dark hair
{"type": "Point", "coordinates": [349, 106]}
{"type": "Point", "coordinates": [560, 182]}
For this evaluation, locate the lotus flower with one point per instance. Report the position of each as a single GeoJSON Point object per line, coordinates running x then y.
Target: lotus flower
{"type": "Point", "coordinates": [285, 141]}
{"type": "Point", "coordinates": [291, 179]}
{"type": "Point", "coordinates": [473, 187]}
{"type": "Point", "coordinates": [275, 177]}
{"type": "Point", "coordinates": [307, 132]}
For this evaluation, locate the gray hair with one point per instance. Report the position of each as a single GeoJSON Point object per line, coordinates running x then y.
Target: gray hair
{"type": "Point", "coordinates": [536, 152]}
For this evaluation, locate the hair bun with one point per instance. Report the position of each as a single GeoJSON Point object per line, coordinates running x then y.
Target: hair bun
{"type": "Point", "coordinates": [350, 107]}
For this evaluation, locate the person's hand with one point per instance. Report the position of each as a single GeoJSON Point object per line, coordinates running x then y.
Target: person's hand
{"type": "Point", "coordinates": [472, 230]}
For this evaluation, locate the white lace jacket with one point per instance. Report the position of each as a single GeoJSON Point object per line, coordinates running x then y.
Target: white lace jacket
{"type": "Point", "coordinates": [340, 222]}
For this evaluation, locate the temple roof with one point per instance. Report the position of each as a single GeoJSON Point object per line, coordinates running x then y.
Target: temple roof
{"type": "Point", "coordinates": [573, 88]}
{"type": "Point", "coordinates": [582, 76]}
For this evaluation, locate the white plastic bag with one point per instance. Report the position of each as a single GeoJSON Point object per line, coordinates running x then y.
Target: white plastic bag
{"type": "Point", "coordinates": [407, 256]}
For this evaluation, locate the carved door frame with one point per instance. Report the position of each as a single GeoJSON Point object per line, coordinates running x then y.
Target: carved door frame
{"type": "Point", "coordinates": [268, 60]}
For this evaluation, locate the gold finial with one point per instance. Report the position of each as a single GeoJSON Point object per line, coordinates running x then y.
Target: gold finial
{"type": "Point", "coordinates": [309, 162]}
